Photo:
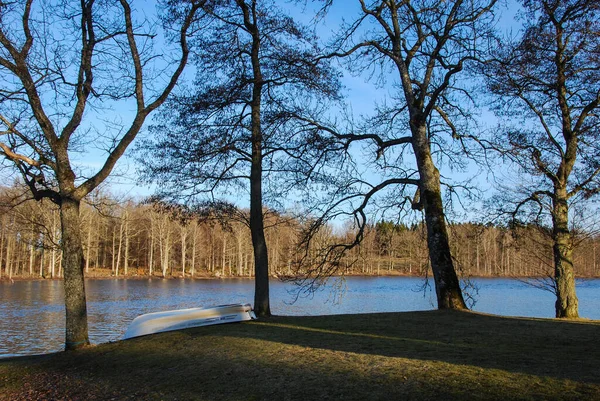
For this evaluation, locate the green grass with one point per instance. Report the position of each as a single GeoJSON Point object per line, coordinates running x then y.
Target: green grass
{"type": "Point", "coordinates": [435, 355]}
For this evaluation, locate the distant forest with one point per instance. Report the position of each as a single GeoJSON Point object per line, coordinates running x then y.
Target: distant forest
{"type": "Point", "coordinates": [152, 238]}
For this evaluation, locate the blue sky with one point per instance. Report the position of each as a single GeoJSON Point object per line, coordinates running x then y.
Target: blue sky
{"type": "Point", "coordinates": [362, 96]}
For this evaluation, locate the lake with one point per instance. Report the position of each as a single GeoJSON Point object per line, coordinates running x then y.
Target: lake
{"type": "Point", "coordinates": [32, 312]}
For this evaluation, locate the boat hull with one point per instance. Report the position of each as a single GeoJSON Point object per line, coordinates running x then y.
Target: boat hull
{"type": "Point", "coordinates": [159, 322]}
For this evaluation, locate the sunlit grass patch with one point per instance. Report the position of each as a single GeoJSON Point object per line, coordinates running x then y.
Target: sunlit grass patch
{"type": "Point", "coordinates": [420, 356]}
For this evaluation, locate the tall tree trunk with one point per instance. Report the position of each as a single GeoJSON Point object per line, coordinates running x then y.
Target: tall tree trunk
{"type": "Point", "coordinates": [276, 254]}
{"type": "Point", "coordinates": [477, 254]}
{"type": "Point", "coordinates": [594, 264]}
{"type": "Point", "coordinates": [60, 264]}
{"type": "Point", "coordinates": [114, 242]}
{"type": "Point", "coordinates": [104, 253]}
{"type": "Point", "coordinates": [2, 236]}
{"type": "Point", "coordinates": [183, 248]}
{"type": "Point", "coordinates": [224, 251]}
{"type": "Point", "coordinates": [31, 258]}
{"type": "Point", "coordinates": [212, 252]}
{"type": "Point", "coordinates": [42, 256]}
{"type": "Point", "coordinates": [194, 241]}
{"type": "Point", "coordinates": [564, 275]}
{"type": "Point", "coordinates": [167, 247]}
{"type": "Point", "coordinates": [240, 260]}
{"type": "Point", "coordinates": [97, 247]}
{"type": "Point", "coordinates": [72, 261]}
{"type": "Point", "coordinates": [261, 261]}
{"type": "Point", "coordinates": [9, 256]}
{"type": "Point", "coordinates": [151, 257]}
{"type": "Point", "coordinates": [53, 261]}
{"type": "Point", "coordinates": [118, 263]}
{"type": "Point", "coordinates": [257, 227]}
{"type": "Point", "coordinates": [126, 256]}
{"type": "Point", "coordinates": [447, 286]}
{"type": "Point", "coordinates": [89, 244]}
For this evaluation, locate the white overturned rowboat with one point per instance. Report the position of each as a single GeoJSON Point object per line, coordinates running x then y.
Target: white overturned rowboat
{"type": "Point", "coordinates": [158, 322]}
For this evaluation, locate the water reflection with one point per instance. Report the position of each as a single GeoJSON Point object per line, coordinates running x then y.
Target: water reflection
{"type": "Point", "coordinates": [33, 317]}
{"type": "Point", "coordinates": [33, 311]}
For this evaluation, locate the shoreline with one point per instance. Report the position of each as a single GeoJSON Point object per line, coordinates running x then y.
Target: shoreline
{"type": "Point", "coordinates": [273, 276]}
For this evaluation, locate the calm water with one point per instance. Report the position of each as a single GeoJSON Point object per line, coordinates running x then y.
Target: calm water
{"type": "Point", "coordinates": [32, 312]}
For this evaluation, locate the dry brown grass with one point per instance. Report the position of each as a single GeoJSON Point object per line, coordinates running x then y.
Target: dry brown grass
{"type": "Point", "coordinates": [441, 355]}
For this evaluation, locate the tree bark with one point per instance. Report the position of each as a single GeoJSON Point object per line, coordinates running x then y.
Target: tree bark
{"type": "Point", "coordinates": [114, 239]}
{"type": "Point", "coordinates": [42, 256]}
{"type": "Point", "coordinates": [447, 286]}
{"type": "Point", "coordinates": [183, 248]}
{"type": "Point", "coordinates": [53, 261]}
{"type": "Point", "coordinates": [240, 261]}
{"type": "Point", "coordinates": [564, 275]}
{"type": "Point", "coordinates": [223, 255]}
{"type": "Point", "coordinates": [167, 246]}
{"type": "Point", "coordinates": [89, 244]}
{"type": "Point", "coordinates": [2, 236]}
{"type": "Point", "coordinates": [72, 261]}
{"type": "Point", "coordinates": [118, 263]}
{"type": "Point", "coordinates": [257, 229]}
{"type": "Point", "coordinates": [151, 257]}
{"type": "Point", "coordinates": [126, 256]}
{"type": "Point", "coordinates": [194, 241]}
{"type": "Point", "coordinates": [261, 260]}
{"type": "Point", "coordinates": [9, 256]}
{"type": "Point", "coordinates": [31, 258]}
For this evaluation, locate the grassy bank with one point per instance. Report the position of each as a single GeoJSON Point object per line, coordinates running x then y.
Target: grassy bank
{"type": "Point", "coordinates": [416, 356]}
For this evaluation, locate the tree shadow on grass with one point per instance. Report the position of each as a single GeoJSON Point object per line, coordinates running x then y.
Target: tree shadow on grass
{"type": "Point", "coordinates": [560, 349]}
{"type": "Point", "coordinates": [421, 356]}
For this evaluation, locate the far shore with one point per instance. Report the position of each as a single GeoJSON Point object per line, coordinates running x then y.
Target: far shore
{"type": "Point", "coordinates": [106, 274]}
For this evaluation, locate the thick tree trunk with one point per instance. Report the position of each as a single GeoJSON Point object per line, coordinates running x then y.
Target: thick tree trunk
{"type": "Point", "coordinates": [567, 305]}
{"type": "Point", "coordinates": [447, 286]}
{"type": "Point", "coordinates": [261, 260]}
{"type": "Point", "coordinates": [72, 261]}
{"type": "Point", "coordinates": [257, 229]}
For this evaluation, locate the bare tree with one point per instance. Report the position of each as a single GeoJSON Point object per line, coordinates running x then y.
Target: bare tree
{"type": "Point", "coordinates": [549, 79]}
{"type": "Point", "coordinates": [59, 63]}
{"type": "Point", "coordinates": [422, 47]}
{"type": "Point", "coordinates": [254, 65]}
